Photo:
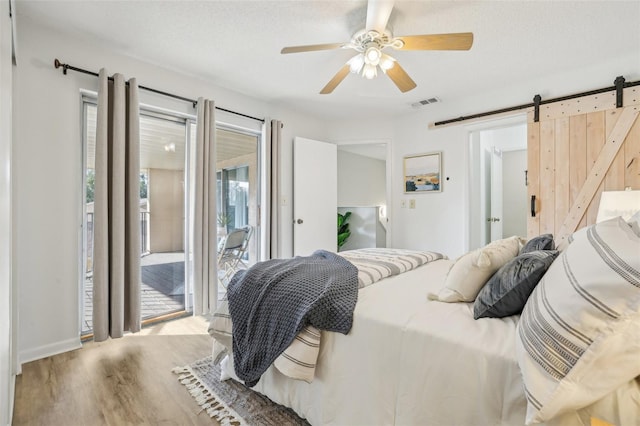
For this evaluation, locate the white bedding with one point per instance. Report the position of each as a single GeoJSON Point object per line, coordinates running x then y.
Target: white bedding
{"type": "Point", "coordinates": [409, 361]}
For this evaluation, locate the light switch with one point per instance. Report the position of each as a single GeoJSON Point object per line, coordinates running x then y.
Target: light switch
{"type": "Point", "coordinates": [412, 203]}
{"type": "Point", "coordinates": [403, 204]}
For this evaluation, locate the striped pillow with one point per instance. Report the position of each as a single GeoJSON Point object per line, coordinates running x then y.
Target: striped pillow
{"type": "Point", "coordinates": [578, 338]}
{"type": "Point", "coordinates": [298, 361]}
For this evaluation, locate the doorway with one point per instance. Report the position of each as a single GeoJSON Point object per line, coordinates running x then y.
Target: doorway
{"type": "Point", "coordinates": [498, 179]}
{"type": "Point", "coordinates": [363, 190]}
{"type": "Point", "coordinates": [165, 153]}
{"type": "Point", "coordinates": [167, 197]}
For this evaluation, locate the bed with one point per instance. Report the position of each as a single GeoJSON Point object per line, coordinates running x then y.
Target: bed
{"type": "Point", "coordinates": [409, 360]}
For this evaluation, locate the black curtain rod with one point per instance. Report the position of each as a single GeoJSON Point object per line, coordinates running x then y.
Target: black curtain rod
{"type": "Point", "coordinates": [194, 102]}
{"type": "Point", "coordinates": [538, 102]}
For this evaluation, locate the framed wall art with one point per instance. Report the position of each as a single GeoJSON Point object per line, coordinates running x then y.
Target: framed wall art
{"type": "Point", "coordinates": [423, 173]}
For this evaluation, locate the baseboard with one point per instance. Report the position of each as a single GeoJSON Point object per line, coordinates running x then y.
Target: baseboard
{"type": "Point", "coordinates": [49, 350]}
{"type": "Point", "coordinates": [12, 397]}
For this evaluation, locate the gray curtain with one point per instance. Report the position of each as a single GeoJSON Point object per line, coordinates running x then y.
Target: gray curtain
{"type": "Point", "coordinates": [205, 282]}
{"type": "Point", "coordinates": [116, 268]}
{"type": "Point", "coordinates": [273, 157]}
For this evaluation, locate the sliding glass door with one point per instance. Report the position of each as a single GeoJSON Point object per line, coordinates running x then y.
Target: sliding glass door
{"type": "Point", "coordinates": [238, 183]}
{"type": "Point", "coordinates": [167, 196]}
{"type": "Point", "coordinates": [164, 185]}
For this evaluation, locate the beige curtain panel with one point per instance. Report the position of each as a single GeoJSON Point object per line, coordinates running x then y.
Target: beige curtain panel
{"type": "Point", "coordinates": [274, 188]}
{"type": "Point", "coordinates": [116, 269]}
{"type": "Point", "coordinates": [205, 280]}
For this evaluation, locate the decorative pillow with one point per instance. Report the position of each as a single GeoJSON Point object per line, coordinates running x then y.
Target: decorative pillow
{"type": "Point", "coordinates": [508, 289]}
{"type": "Point", "coordinates": [471, 271]}
{"type": "Point", "coordinates": [578, 338]}
{"type": "Point", "coordinates": [298, 361]}
{"type": "Point", "coordinates": [221, 327]}
{"type": "Point", "coordinates": [634, 222]}
{"type": "Point", "coordinates": [541, 242]}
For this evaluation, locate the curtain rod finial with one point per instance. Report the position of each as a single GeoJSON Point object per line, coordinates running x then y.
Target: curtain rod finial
{"type": "Point", "coordinates": [58, 64]}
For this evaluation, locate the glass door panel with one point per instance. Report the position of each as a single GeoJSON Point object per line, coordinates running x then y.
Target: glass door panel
{"type": "Point", "coordinates": [238, 188]}
{"type": "Point", "coordinates": [163, 209]}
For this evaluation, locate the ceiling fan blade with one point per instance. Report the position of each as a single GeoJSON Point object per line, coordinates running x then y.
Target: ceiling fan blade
{"type": "Point", "coordinates": [378, 12]}
{"type": "Point", "coordinates": [452, 41]}
{"type": "Point", "coordinates": [337, 79]}
{"type": "Point", "coordinates": [313, 47]}
{"type": "Point", "coordinates": [400, 77]}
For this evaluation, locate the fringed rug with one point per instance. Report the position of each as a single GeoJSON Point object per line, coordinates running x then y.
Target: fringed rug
{"type": "Point", "coordinates": [230, 402]}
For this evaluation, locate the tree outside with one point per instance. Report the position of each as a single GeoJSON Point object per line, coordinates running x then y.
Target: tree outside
{"type": "Point", "coordinates": [91, 185]}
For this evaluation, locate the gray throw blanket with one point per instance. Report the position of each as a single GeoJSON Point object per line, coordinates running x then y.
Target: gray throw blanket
{"type": "Point", "coordinates": [272, 301]}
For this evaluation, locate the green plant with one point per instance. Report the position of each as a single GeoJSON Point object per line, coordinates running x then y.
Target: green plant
{"type": "Point", "coordinates": [343, 228]}
{"type": "Point", "coordinates": [223, 220]}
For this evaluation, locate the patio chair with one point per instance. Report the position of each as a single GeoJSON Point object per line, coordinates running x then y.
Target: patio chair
{"type": "Point", "coordinates": [231, 251]}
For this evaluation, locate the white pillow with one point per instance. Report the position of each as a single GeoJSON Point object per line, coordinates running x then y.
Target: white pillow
{"type": "Point", "coordinates": [634, 222]}
{"type": "Point", "coordinates": [471, 271]}
{"type": "Point", "coordinates": [578, 338]}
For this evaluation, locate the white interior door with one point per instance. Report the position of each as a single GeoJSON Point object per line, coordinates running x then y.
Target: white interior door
{"type": "Point", "coordinates": [496, 194]}
{"type": "Point", "coordinates": [315, 196]}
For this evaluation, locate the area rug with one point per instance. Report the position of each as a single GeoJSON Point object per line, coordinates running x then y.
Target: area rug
{"type": "Point", "coordinates": [230, 402]}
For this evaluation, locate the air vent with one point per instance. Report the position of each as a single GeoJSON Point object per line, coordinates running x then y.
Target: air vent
{"type": "Point", "coordinates": [425, 102]}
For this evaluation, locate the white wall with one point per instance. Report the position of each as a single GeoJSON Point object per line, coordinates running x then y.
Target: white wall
{"type": "Point", "coordinates": [361, 180]}
{"type": "Point", "coordinates": [48, 151]}
{"type": "Point", "coordinates": [7, 378]}
{"type": "Point", "coordinates": [514, 192]}
{"type": "Point", "coordinates": [438, 221]}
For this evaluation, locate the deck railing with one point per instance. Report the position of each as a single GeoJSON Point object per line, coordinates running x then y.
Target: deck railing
{"type": "Point", "coordinates": [144, 240]}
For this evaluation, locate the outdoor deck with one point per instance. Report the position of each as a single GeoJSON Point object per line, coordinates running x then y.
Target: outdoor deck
{"type": "Point", "coordinates": [162, 288]}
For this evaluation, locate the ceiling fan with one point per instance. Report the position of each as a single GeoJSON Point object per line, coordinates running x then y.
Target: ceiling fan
{"type": "Point", "coordinates": [371, 41]}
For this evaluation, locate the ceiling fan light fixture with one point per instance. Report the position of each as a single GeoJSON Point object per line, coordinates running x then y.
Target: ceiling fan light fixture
{"type": "Point", "coordinates": [386, 62]}
{"type": "Point", "coordinates": [372, 55]}
{"type": "Point", "coordinates": [369, 71]}
{"type": "Point", "coordinates": [356, 63]}
{"type": "Point", "coordinates": [370, 42]}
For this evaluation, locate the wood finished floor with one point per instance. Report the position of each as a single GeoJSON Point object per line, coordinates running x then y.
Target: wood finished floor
{"type": "Point", "coordinates": [125, 381]}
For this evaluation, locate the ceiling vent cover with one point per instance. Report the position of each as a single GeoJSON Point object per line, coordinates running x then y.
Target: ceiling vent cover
{"type": "Point", "coordinates": [425, 102]}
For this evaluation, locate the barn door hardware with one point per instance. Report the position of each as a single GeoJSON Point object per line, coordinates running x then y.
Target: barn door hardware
{"type": "Point", "coordinates": [533, 206]}
{"type": "Point", "coordinates": [619, 83]}
{"type": "Point", "coordinates": [536, 108]}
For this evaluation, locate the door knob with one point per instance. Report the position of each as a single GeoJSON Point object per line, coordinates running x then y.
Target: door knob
{"type": "Point", "coordinates": [299, 221]}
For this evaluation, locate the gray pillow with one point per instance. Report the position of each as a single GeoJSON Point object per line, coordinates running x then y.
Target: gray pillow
{"type": "Point", "coordinates": [507, 290]}
{"type": "Point", "coordinates": [541, 242]}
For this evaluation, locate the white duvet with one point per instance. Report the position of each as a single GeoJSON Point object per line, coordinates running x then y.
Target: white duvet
{"type": "Point", "coordinates": [413, 361]}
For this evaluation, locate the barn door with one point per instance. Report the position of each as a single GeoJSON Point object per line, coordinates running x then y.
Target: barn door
{"type": "Point", "coordinates": [574, 155]}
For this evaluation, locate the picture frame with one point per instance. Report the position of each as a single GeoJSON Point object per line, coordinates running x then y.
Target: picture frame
{"type": "Point", "coordinates": [422, 173]}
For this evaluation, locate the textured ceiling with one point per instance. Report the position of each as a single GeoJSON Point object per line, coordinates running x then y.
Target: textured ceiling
{"type": "Point", "coordinates": [236, 44]}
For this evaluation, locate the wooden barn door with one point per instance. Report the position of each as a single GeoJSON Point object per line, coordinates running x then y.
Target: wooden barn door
{"type": "Point", "coordinates": [578, 149]}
